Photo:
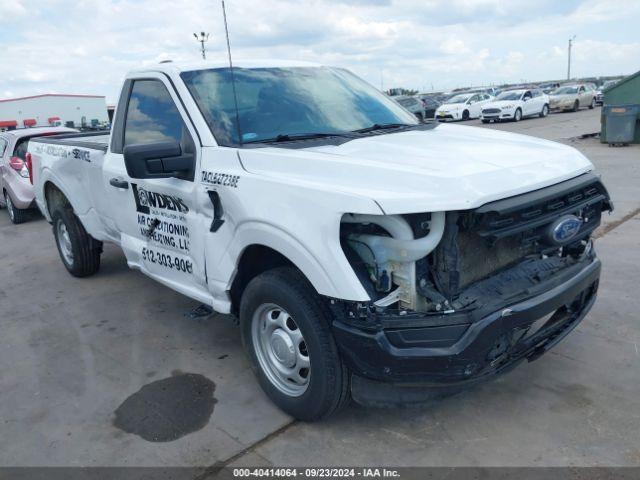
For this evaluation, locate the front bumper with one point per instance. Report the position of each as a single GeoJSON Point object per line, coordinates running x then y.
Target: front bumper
{"type": "Point", "coordinates": [560, 107]}
{"type": "Point", "coordinates": [443, 117]}
{"type": "Point", "coordinates": [428, 360]}
{"type": "Point", "coordinates": [496, 117]}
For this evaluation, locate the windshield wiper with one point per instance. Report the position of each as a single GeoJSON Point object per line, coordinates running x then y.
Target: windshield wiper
{"type": "Point", "coordinates": [382, 126]}
{"type": "Point", "coordinates": [291, 137]}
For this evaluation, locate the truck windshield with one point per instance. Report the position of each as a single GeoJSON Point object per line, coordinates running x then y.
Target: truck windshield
{"type": "Point", "coordinates": [289, 102]}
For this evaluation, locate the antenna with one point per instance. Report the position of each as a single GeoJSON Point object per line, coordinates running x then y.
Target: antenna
{"type": "Point", "coordinates": [233, 78]}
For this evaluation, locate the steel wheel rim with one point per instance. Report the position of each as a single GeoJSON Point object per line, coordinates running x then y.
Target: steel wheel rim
{"type": "Point", "coordinates": [281, 349]}
{"type": "Point", "coordinates": [64, 242]}
{"type": "Point", "coordinates": [545, 110]}
{"type": "Point", "coordinates": [7, 201]}
{"type": "Point", "coordinates": [518, 115]}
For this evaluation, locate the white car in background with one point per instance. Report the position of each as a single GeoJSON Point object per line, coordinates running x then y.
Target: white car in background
{"type": "Point", "coordinates": [515, 105]}
{"type": "Point", "coordinates": [463, 106]}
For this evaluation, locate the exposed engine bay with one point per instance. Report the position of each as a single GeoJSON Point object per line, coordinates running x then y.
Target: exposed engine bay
{"type": "Point", "coordinates": [444, 262]}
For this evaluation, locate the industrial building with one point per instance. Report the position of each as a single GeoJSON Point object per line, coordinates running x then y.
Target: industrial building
{"type": "Point", "coordinates": [80, 111]}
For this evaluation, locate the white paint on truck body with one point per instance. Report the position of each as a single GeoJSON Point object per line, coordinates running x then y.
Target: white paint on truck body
{"type": "Point", "coordinates": [291, 200]}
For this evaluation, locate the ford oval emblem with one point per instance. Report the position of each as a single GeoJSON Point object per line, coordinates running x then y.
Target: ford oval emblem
{"type": "Point", "coordinates": [564, 229]}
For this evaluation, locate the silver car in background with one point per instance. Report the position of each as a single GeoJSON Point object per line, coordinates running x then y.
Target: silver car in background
{"type": "Point", "coordinates": [15, 187]}
{"type": "Point", "coordinates": [572, 97]}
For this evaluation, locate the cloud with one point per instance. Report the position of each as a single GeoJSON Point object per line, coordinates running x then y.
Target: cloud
{"type": "Point", "coordinates": [10, 9]}
{"type": "Point", "coordinates": [84, 46]}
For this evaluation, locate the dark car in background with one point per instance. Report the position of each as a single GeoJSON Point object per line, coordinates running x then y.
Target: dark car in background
{"type": "Point", "coordinates": [413, 104]}
{"type": "Point", "coordinates": [430, 103]}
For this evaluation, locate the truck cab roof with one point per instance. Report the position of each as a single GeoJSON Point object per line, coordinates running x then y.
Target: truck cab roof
{"type": "Point", "coordinates": [170, 67]}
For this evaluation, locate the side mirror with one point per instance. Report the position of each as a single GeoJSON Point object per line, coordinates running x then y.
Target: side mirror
{"type": "Point", "coordinates": [158, 160]}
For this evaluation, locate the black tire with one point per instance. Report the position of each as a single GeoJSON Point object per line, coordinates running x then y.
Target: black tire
{"type": "Point", "coordinates": [420, 116]}
{"type": "Point", "coordinates": [16, 215]}
{"type": "Point", "coordinates": [545, 111]}
{"type": "Point", "coordinates": [576, 106]}
{"type": "Point", "coordinates": [517, 116]}
{"type": "Point", "coordinates": [85, 249]}
{"type": "Point", "coordinates": [592, 105]}
{"type": "Point", "coordinates": [465, 115]}
{"type": "Point", "coordinates": [328, 387]}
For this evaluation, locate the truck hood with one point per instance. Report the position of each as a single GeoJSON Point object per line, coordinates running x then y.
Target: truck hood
{"type": "Point", "coordinates": [448, 167]}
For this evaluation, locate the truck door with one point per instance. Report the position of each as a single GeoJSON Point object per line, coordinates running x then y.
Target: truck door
{"type": "Point", "coordinates": [157, 218]}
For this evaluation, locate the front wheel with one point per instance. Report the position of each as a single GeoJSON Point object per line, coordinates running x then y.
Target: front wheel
{"type": "Point", "coordinates": [465, 115]}
{"type": "Point", "coordinates": [79, 251]}
{"type": "Point", "coordinates": [545, 111]}
{"type": "Point", "coordinates": [286, 332]}
{"type": "Point", "coordinates": [576, 106]}
{"type": "Point", "coordinates": [518, 115]}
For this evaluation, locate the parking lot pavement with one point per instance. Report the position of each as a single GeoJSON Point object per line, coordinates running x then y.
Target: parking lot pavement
{"type": "Point", "coordinates": [73, 351]}
{"type": "Point", "coordinates": [557, 126]}
{"type": "Point", "coordinates": [91, 367]}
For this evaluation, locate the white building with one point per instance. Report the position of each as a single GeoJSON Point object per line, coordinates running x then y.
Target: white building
{"type": "Point", "coordinates": [53, 109]}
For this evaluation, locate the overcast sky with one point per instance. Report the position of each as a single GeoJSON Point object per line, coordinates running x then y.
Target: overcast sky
{"type": "Point", "coordinates": [86, 46]}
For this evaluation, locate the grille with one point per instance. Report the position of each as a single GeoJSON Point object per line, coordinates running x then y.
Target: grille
{"type": "Point", "coordinates": [531, 211]}
{"type": "Point", "coordinates": [491, 110]}
{"type": "Point", "coordinates": [479, 243]}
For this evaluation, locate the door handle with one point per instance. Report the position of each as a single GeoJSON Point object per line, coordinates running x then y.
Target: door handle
{"type": "Point", "coordinates": [119, 183]}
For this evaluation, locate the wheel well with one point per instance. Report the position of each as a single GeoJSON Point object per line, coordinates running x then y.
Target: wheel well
{"type": "Point", "coordinates": [55, 198]}
{"type": "Point", "coordinates": [254, 260]}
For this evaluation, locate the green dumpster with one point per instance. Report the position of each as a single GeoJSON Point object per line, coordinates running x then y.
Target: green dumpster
{"type": "Point", "coordinates": [621, 123]}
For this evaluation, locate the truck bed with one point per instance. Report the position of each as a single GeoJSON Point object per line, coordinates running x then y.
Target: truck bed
{"type": "Point", "coordinates": [73, 162]}
{"type": "Point", "coordinates": [92, 140]}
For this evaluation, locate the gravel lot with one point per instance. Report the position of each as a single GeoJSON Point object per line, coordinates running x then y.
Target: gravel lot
{"type": "Point", "coordinates": [76, 355]}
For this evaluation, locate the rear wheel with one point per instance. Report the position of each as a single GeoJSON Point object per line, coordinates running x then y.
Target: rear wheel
{"type": "Point", "coordinates": [545, 111]}
{"type": "Point", "coordinates": [79, 251]}
{"type": "Point", "coordinates": [16, 215]}
{"type": "Point", "coordinates": [286, 332]}
{"type": "Point", "coordinates": [518, 115]}
{"type": "Point", "coordinates": [592, 105]}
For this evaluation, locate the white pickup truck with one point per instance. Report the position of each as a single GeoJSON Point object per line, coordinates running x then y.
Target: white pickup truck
{"type": "Point", "coordinates": [366, 254]}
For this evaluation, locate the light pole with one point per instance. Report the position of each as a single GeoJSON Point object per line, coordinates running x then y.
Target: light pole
{"type": "Point", "coordinates": [204, 37]}
{"type": "Point", "coordinates": [569, 59]}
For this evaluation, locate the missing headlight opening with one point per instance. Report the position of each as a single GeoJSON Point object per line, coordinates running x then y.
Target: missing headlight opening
{"type": "Point", "coordinates": [461, 260]}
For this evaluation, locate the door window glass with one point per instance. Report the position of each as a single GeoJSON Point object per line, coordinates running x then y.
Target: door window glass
{"type": "Point", "coordinates": [152, 116]}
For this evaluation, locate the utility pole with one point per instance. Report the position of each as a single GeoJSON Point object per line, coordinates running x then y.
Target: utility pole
{"type": "Point", "coordinates": [569, 59]}
{"type": "Point", "coordinates": [204, 37]}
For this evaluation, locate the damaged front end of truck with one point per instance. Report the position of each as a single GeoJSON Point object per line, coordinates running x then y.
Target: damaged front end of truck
{"type": "Point", "coordinates": [460, 296]}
